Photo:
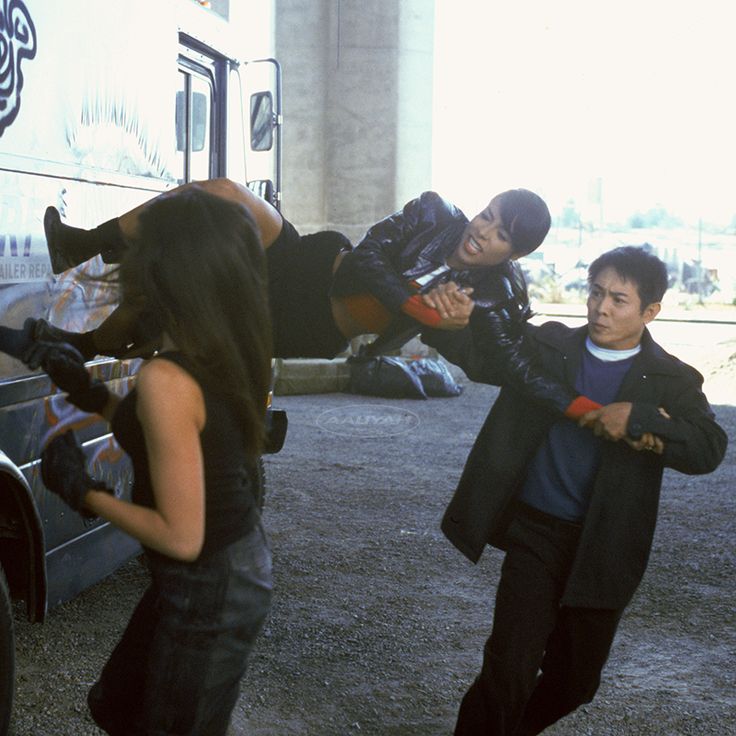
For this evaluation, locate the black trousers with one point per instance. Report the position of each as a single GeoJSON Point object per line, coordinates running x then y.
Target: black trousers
{"type": "Point", "coordinates": [542, 660]}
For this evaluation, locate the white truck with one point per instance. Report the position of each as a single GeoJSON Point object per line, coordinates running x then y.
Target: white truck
{"type": "Point", "coordinates": [103, 104]}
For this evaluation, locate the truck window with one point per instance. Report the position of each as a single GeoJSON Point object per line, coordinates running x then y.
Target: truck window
{"type": "Point", "coordinates": [193, 119]}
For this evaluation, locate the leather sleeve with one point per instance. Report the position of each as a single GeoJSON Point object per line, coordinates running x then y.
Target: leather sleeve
{"type": "Point", "coordinates": [458, 347]}
{"type": "Point", "coordinates": [499, 337]}
{"type": "Point", "coordinates": [496, 350]}
{"type": "Point", "coordinates": [369, 267]}
{"type": "Point", "coordinates": [373, 266]}
{"type": "Point", "coordinates": [693, 442]}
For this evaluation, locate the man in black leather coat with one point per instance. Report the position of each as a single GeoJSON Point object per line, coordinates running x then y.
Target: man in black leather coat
{"type": "Point", "coordinates": [575, 512]}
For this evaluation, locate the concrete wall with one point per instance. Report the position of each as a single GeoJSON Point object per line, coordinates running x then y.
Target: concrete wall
{"type": "Point", "coordinates": [357, 88]}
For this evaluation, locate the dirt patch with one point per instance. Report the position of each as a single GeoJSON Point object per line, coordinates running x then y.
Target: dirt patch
{"type": "Point", "coordinates": [378, 622]}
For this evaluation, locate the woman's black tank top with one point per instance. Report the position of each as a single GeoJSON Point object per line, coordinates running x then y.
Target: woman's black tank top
{"type": "Point", "coordinates": [231, 477]}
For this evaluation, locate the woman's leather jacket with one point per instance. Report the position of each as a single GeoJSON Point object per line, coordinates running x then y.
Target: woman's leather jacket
{"type": "Point", "coordinates": [406, 253]}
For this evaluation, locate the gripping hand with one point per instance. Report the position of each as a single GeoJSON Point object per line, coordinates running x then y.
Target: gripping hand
{"type": "Point", "coordinates": [64, 473]}
{"type": "Point", "coordinates": [62, 362]}
{"type": "Point", "coordinates": [64, 365]}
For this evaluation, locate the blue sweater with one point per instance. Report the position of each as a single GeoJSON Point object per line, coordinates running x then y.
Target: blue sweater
{"type": "Point", "coordinates": [561, 475]}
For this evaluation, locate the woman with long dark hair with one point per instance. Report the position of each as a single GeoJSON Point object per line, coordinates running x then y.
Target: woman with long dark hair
{"type": "Point", "coordinates": [194, 428]}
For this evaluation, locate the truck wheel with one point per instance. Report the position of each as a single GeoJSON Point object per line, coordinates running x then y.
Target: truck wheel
{"type": "Point", "coordinates": [7, 655]}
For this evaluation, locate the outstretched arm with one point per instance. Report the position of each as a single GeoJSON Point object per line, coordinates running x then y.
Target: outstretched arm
{"type": "Point", "coordinates": [495, 351]}
{"type": "Point", "coordinates": [500, 338]}
{"type": "Point", "coordinates": [65, 367]}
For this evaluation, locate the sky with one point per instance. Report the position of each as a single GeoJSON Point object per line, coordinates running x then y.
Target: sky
{"type": "Point", "coordinates": [554, 95]}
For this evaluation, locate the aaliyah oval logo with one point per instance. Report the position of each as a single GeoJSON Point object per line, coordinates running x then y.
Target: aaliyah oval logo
{"type": "Point", "coordinates": [368, 420]}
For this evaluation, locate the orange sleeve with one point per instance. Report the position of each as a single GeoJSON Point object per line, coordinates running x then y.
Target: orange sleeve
{"type": "Point", "coordinates": [416, 308]}
{"type": "Point", "coordinates": [580, 406]}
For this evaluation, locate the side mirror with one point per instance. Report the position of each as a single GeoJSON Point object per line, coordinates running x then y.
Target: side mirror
{"type": "Point", "coordinates": [261, 121]}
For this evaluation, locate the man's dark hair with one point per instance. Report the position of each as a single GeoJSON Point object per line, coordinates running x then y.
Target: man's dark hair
{"type": "Point", "coordinates": [526, 218]}
{"type": "Point", "coordinates": [636, 265]}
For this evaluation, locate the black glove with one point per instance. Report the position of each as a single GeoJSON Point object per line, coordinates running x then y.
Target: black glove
{"type": "Point", "coordinates": [64, 365]}
{"type": "Point", "coordinates": [92, 399]}
{"type": "Point", "coordinates": [64, 473]}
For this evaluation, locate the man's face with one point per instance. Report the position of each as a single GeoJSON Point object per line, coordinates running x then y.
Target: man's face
{"type": "Point", "coordinates": [615, 318]}
{"type": "Point", "coordinates": [484, 242]}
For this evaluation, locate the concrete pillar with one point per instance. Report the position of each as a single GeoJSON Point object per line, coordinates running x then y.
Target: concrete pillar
{"type": "Point", "coordinates": [416, 81]}
{"type": "Point", "coordinates": [302, 28]}
{"type": "Point", "coordinates": [357, 89]}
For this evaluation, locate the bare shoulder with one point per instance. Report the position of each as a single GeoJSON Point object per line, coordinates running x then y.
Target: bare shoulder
{"type": "Point", "coordinates": [159, 371]}
{"type": "Point", "coordinates": [165, 387]}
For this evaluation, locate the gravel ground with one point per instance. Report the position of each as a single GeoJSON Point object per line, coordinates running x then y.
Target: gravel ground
{"type": "Point", "coordinates": [378, 622]}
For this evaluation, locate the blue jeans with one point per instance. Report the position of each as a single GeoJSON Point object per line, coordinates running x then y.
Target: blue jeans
{"type": "Point", "coordinates": [178, 666]}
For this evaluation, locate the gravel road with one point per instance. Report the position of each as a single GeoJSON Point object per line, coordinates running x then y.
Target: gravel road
{"type": "Point", "coordinates": [378, 622]}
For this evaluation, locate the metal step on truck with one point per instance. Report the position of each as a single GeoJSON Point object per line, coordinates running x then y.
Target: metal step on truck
{"type": "Point", "coordinates": [103, 105]}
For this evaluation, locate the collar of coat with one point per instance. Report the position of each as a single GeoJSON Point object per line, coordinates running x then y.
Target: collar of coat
{"type": "Point", "coordinates": [653, 358]}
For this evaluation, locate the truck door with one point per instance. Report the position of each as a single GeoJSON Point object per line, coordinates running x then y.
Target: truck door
{"type": "Point", "coordinates": [228, 119]}
{"type": "Point", "coordinates": [199, 116]}
{"type": "Point", "coordinates": [262, 83]}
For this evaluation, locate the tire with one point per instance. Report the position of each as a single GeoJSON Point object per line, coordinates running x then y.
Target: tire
{"type": "Point", "coordinates": [7, 655]}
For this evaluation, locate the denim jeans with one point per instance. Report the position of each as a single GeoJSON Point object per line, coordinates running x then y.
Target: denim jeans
{"type": "Point", "coordinates": [178, 665]}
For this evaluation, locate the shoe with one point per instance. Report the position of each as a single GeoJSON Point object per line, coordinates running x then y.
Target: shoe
{"type": "Point", "coordinates": [53, 227]}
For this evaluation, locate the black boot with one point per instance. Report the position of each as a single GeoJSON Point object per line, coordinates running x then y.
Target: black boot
{"type": "Point", "coordinates": [69, 246]}
{"type": "Point", "coordinates": [42, 331]}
